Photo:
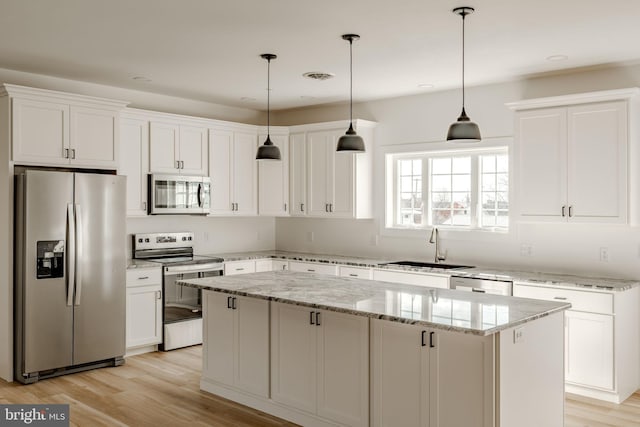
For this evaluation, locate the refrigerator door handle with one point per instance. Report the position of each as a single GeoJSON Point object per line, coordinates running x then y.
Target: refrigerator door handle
{"type": "Point", "coordinates": [71, 254]}
{"type": "Point", "coordinates": [78, 253]}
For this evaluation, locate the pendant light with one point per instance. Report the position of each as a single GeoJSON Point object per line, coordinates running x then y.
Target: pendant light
{"type": "Point", "coordinates": [268, 151]}
{"type": "Point", "coordinates": [350, 141]}
{"type": "Point", "coordinates": [463, 130]}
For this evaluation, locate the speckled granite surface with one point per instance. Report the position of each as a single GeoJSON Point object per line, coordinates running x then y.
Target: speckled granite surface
{"type": "Point", "coordinates": [139, 263]}
{"type": "Point", "coordinates": [478, 314]}
{"type": "Point", "coordinates": [538, 278]}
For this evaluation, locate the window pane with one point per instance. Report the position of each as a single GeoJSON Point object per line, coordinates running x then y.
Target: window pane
{"type": "Point", "coordinates": [405, 167]}
{"type": "Point", "coordinates": [441, 183]}
{"type": "Point", "coordinates": [462, 165]}
{"type": "Point", "coordinates": [461, 200]}
{"type": "Point", "coordinates": [461, 182]}
{"type": "Point", "coordinates": [488, 219]}
{"type": "Point", "coordinates": [409, 193]}
{"type": "Point", "coordinates": [502, 163]}
{"type": "Point", "coordinates": [502, 180]}
{"type": "Point", "coordinates": [503, 198]}
{"type": "Point", "coordinates": [461, 217]}
{"type": "Point", "coordinates": [503, 219]}
{"type": "Point", "coordinates": [417, 166]}
{"type": "Point", "coordinates": [488, 164]}
{"type": "Point", "coordinates": [441, 217]}
{"type": "Point", "coordinates": [488, 182]}
{"type": "Point", "coordinates": [441, 165]}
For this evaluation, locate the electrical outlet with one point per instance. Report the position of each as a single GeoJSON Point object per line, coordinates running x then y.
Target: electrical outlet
{"type": "Point", "coordinates": [310, 236]}
{"type": "Point", "coordinates": [518, 335]}
{"type": "Point", "coordinates": [604, 254]}
{"type": "Point", "coordinates": [526, 250]}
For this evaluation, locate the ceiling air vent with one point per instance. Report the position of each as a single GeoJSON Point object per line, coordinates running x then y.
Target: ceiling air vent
{"type": "Point", "coordinates": [318, 75]}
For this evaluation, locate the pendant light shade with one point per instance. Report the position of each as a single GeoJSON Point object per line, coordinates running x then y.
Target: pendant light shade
{"type": "Point", "coordinates": [268, 150]}
{"type": "Point", "coordinates": [463, 130]}
{"type": "Point", "coordinates": [350, 141]}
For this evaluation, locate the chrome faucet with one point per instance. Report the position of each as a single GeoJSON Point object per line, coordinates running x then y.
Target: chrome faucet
{"type": "Point", "coordinates": [436, 239]}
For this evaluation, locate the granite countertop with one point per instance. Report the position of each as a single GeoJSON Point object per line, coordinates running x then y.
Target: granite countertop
{"type": "Point", "coordinates": [139, 263]}
{"type": "Point", "coordinates": [465, 312]}
{"type": "Point", "coordinates": [537, 278]}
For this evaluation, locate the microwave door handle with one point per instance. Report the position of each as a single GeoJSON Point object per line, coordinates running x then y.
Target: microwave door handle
{"type": "Point", "coordinates": [79, 251]}
{"type": "Point", "coordinates": [200, 194]}
{"type": "Point", "coordinates": [71, 254]}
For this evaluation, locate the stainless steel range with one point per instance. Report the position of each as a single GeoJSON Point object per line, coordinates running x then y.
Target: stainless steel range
{"type": "Point", "coordinates": [182, 313]}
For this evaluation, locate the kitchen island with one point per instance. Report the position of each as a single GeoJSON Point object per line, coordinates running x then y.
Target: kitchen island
{"type": "Point", "coordinates": [324, 351]}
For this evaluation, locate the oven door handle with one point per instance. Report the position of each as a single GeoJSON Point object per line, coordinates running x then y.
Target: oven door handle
{"type": "Point", "coordinates": [199, 268]}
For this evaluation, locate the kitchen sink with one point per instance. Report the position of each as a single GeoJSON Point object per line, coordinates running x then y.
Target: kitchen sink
{"type": "Point", "coordinates": [428, 264]}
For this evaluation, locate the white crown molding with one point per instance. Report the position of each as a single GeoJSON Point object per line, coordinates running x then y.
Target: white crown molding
{"type": "Point", "coordinates": [573, 99]}
{"type": "Point", "coordinates": [24, 92]}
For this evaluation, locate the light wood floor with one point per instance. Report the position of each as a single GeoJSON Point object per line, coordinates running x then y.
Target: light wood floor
{"type": "Point", "coordinates": [162, 389]}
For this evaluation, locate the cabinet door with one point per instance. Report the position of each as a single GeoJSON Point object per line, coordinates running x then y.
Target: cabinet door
{"type": "Point", "coordinates": [40, 132]}
{"type": "Point", "coordinates": [279, 265]}
{"type": "Point", "coordinates": [541, 144]}
{"type": "Point", "coordinates": [134, 163]}
{"type": "Point", "coordinates": [144, 316]}
{"type": "Point", "coordinates": [164, 147]}
{"type": "Point", "coordinates": [589, 349]}
{"type": "Point", "coordinates": [94, 137]}
{"type": "Point", "coordinates": [597, 167]}
{"type": "Point", "coordinates": [273, 180]}
{"type": "Point", "coordinates": [218, 354]}
{"type": "Point", "coordinates": [343, 368]}
{"type": "Point", "coordinates": [342, 181]}
{"type": "Point", "coordinates": [220, 152]}
{"type": "Point", "coordinates": [251, 345]}
{"type": "Point", "coordinates": [245, 173]}
{"type": "Point", "coordinates": [399, 375]}
{"type": "Point", "coordinates": [318, 172]}
{"type": "Point", "coordinates": [193, 151]}
{"type": "Point", "coordinates": [298, 174]}
{"type": "Point", "coordinates": [293, 357]}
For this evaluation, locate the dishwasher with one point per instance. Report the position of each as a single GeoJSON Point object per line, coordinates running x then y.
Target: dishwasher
{"type": "Point", "coordinates": [480, 285]}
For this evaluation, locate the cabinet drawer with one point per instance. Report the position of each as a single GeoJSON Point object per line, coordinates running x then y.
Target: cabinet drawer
{"type": "Point", "coordinates": [144, 276]}
{"type": "Point", "coordinates": [239, 267]}
{"type": "Point", "coordinates": [594, 302]}
{"type": "Point", "coordinates": [312, 267]}
{"type": "Point", "coordinates": [359, 272]}
{"type": "Point", "coordinates": [420, 279]}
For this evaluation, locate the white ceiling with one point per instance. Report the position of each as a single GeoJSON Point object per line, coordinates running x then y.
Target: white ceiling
{"type": "Point", "coordinates": [209, 49]}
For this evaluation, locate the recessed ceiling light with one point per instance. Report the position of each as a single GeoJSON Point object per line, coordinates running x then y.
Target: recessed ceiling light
{"type": "Point", "coordinates": [557, 58]}
{"type": "Point", "coordinates": [425, 86]}
{"type": "Point", "coordinates": [318, 75]}
{"type": "Point", "coordinates": [141, 79]}
{"type": "Point", "coordinates": [248, 99]}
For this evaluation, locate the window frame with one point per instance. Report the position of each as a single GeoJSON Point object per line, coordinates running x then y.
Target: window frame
{"type": "Point", "coordinates": [391, 158]}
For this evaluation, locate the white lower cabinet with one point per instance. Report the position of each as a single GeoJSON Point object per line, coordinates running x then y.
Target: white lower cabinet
{"type": "Point", "coordinates": [144, 307]}
{"type": "Point", "coordinates": [239, 267]}
{"type": "Point", "coordinates": [314, 267]}
{"type": "Point", "coordinates": [601, 345]}
{"type": "Point", "coordinates": [271, 265]}
{"type": "Point", "coordinates": [320, 363]}
{"type": "Point", "coordinates": [236, 342]}
{"type": "Point", "coordinates": [357, 272]}
{"type": "Point", "coordinates": [431, 280]}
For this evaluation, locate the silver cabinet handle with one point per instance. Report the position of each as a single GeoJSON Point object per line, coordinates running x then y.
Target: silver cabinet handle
{"type": "Point", "coordinates": [285, 207]}
{"type": "Point", "coordinates": [240, 269]}
{"type": "Point", "coordinates": [311, 270]}
{"type": "Point", "coordinates": [560, 298]}
{"type": "Point", "coordinates": [563, 211]}
{"type": "Point", "coordinates": [317, 318]}
{"type": "Point", "coordinates": [177, 164]}
{"type": "Point", "coordinates": [65, 153]}
{"type": "Point", "coordinates": [73, 153]}
{"type": "Point", "coordinates": [158, 294]}
{"type": "Point", "coordinates": [143, 278]}
{"type": "Point", "coordinates": [570, 211]}
{"type": "Point", "coordinates": [301, 207]}
{"type": "Point", "coordinates": [353, 275]}
{"type": "Point", "coordinates": [144, 206]}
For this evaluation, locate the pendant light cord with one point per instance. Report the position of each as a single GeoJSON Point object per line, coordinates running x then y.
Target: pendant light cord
{"type": "Point", "coordinates": [268, 96]}
{"type": "Point", "coordinates": [463, 15]}
{"type": "Point", "coordinates": [351, 80]}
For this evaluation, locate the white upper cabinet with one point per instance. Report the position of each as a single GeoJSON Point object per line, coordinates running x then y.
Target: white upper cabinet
{"type": "Point", "coordinates": [134, 162]}
{"type": "Point", "coordinates": [273, 177]}
{"type": "Point", "coordinates": [54, 128]}
{"type": "Point", "coordinates": [298, 174]}
{"type": "Point", "coordinates": [571, 156]}
{"type": "Point", "coordinates": [234, 171]}
{"type": "Point", "coordinates": [338, 185]}
{"type": "Point", "coordinates": [177, 148]}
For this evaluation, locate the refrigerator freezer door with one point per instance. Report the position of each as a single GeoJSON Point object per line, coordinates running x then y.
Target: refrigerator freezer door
{"type": "Point", "coordinates": [99, 306]}
{"type": "Point", "coordinates": [44, 321]}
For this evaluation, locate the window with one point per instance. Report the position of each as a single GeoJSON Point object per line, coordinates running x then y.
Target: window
{"type": "Point", "coordinates": [464, 189]}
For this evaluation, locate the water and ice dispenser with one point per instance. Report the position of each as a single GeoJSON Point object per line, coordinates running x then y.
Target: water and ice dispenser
{"type": "Point", "coordinates": [50, 259]}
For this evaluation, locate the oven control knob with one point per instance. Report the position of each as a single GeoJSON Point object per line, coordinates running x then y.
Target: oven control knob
{"type": "Point", "coordinates": [184, 238]}
{"type": "Point", "coordinates": [189, 237]}
{"type": "Point", "coordinates": [139, 240]}
{"type": "Point", "coordinates": [146, 240]}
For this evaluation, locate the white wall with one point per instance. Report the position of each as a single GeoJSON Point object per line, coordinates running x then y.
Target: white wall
{"type": "Point", "coordinates": [213, 235]}
{"type": "Point", "coordinates": [565, 248]}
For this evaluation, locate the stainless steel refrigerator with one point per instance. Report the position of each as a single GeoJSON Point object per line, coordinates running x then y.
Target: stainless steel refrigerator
{"type": "Point", "coordinates": [70, 263]}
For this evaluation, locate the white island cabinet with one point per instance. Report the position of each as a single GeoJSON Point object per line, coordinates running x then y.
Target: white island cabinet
{"type": "Point", "coordinates": [344, 351]}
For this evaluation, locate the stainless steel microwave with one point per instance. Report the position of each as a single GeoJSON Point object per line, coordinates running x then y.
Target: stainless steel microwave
{"type": "Point", "coordinates": [179, 194]}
